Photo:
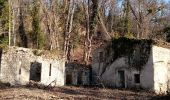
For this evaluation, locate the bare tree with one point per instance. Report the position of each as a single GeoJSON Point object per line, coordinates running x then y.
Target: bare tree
{"type": "Point", "coordinates": [68, 29]}
{"type": "Point", "coordinates": [143, 13]}
{"type": "Point", "coordinates": [87, 40]}
{"type": "Point", "coordinates": [51, 24]}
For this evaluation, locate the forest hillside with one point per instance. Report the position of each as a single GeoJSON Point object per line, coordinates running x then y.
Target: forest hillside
{"type": "Point", "coordinates": [77, 27]}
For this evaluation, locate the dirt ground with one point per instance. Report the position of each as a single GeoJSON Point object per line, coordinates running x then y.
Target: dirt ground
{"type": "Point", "coordinates": [72, 93]}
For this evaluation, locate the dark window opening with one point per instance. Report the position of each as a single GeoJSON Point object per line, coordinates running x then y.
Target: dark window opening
{"type": "Point", "coordinates": [108, 52]}
{"type": "Point", "coordinates": [0, 57]}
{"type": "Point", "coordinates": [99, 34]}
{"type": "Point", "coordinates": [20, 71]}
{"type": "Point", "coordinates": [50, 70]}
{"type": "Point", "coordinates": [85, 73]}
{"type": "Point", "coordinates": [35, 71]}
{"type": "Point", "coordinates": [68, 79]}
{"type": "Point", "coordinates": [100, 56]}
{"type": "Point", "coordinates": [137, 78]}
{"type": "Point", "coordinates": [80, 78]}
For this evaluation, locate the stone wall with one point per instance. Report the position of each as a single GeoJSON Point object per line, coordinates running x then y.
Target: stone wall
{"type": "Point", "coordinates": [154, 75]}
{"type": "Point", "coordinates": [142, 59]}
{"type": "Point", "coordinates": [77, 74]}
{"type": "Point", "coordinates": [161, 59]}
{"type": "Point", "coordinates": [16, 65]}
{"type": "Point", "coordinates": [111, 77]}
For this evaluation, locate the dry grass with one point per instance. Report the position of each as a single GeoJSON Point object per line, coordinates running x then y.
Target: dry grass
{"type": "Point", "coordinates": [71, 93]}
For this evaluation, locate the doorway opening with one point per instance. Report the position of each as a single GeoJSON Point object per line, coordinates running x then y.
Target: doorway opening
{"type": "Point", "coordinates": [35, 71]}
{"type": "Point", "coordinates": [80, 78]}
{"type": "Point", "coordinates": [68, 79]}
{"type": "Point", "coordinates": [121, 77]}
{"type": "Point", "coordinates": [137, 78]}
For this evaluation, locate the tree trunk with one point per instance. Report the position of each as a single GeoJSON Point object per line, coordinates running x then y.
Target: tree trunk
{"type": "Point", "coordinates": [68, 30]}
{"type": "Point", "coordinates": [9, 30]}
{"type": "Point", "coordinates": [90, 29]}
{"type": "Point", "coordinates": [13, 28]}
{"type": "Point", "coordinates": [85, 56]}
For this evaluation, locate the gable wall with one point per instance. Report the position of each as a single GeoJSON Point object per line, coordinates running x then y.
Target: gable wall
{"type": "Point", "coordinates": [78, 74]}
{"type": "Point", "coordinates": [161, 59]}
{"type": "Point", "coordinates": [17, 59]}
{"type": "Point", "coordinates": [110, 76]}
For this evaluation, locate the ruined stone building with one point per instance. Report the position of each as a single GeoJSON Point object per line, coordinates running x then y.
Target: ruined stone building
{"type": "Point", "coordinates": [130, 63]}
{"type": "Point", "coordinates": [77, 74]}
{"type": "Point", "coordinates": [21, 65]}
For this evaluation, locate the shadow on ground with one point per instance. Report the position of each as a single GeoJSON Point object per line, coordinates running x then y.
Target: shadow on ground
{"type": "Point", "coordinates": [72, 92]}
{"type": "Point", "coordinates": [100, 93]}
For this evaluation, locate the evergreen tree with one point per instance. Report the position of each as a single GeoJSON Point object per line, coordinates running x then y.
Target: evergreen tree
{"type": "Point", "coordinates": [127, 21]}
{"type": "Point", "coordinates": [4, 17]}
{"type": "Point", "coordinates": [4, 14]}
{"type": "Point", "coordinates": [37, 36]}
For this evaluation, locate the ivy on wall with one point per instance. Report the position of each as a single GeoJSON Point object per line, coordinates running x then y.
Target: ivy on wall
{"type": "Point", "coordinates": [137, 51]}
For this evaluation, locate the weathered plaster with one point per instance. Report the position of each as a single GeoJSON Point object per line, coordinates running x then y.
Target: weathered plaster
{"type": "Point", "coordinates": [154, 75]}
{"type": "Point", "coordinates": [16, 59]}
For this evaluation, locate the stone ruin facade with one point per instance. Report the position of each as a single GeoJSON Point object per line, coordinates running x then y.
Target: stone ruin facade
{"type": "Point", "coordinates": [77, 74]}
{"type": "Point", "coordinates": [19, 66]}
{"type": "Point", "coordinates": [140, 64]}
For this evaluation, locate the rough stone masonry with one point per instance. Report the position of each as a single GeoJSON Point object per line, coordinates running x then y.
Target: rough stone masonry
{"type": "Point", "coordinates": [21, 65]}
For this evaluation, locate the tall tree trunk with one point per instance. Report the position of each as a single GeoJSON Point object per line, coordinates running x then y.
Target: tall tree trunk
{"type": "Point", "coordinates": [13, 27]}
{"type": "Point", "coordinates": [9, 30]}
{"type": "Point", "coordinates": [65, 3]}
{"type": "Point", "coordinates": [106, 35]}
{"type": "Point", "coordinates": [86, 41]}
{"type": "Point", "coordinates": [66, 34]}
{"type": "Point", "coordinates": [92, 20]}
{"type": "Point", "coordinates": [68, 29]}
{"type": "Point", "coordinates": [92, 26]}
{"type": "Point", "coordinates": [127, 18]}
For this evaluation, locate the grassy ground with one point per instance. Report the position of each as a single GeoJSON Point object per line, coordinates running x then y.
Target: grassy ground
{"type": "Point", "coordinates": [72, 93]}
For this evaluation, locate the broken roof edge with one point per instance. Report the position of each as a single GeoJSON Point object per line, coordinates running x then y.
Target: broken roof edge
{"type": "Point", "coordinates": [156, 42]}
{"type": "Point", "coordinates": [161, 43]}
{"type": "Point", "coordinates": [55, 55]}
{"type": "Point", "coordinates": [75, 65]}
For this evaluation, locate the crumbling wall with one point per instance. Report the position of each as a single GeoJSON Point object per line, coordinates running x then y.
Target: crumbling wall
{"type": "Point", "coordinates": [161, 59]}
{"type": "Point", "coordinates": [133, 57]}
{"type": "Point", "coordinates": [77, 74]}
{"type": "Point", "coordinates": [110, 77]}
{"type": "Point", "coordinates": [16, 64]}
{"type": "Point", "coordinates": [153, 71]}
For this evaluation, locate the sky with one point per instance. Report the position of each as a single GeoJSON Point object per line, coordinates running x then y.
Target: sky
{"type": "Point", "coordinates": [167, 0]}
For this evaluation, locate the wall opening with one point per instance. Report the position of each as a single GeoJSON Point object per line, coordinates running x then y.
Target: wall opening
{"type": "Point", "coordinates": [35, 71]}
{"type": "Point", "coordinates": [50, 70]}
{"type": "Point", "coordinates": [0, 58]}
{"type": "Point", "coordinates": [68, 79]}
{"type": "Point", "coordinates": [101, 56]}
{"type": "Point", "coordinates": [137, 78]}
{"type": "Point", "coordinates": [80, 78]}
{"type": "Point", "coordinates": [121, 77]}
{"type": "Point", "coordinates": [20, 71]}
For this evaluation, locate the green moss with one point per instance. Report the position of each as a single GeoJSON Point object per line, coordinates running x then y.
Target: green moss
{"type": "Point", "coordinates": [37, 36]}
{"type": "Point", "coordinates": [3, 42]}
{"type": "Point", "coordinates": [37, 52]}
